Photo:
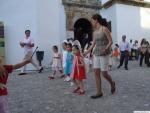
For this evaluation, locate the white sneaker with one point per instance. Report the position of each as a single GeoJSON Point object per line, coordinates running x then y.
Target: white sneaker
{"type": "Point", "coordinates": [71, 84]}
{"type": "Point", "coordinates": [65, 79]}
{"type": "Point", "coordinates": [68, 79]}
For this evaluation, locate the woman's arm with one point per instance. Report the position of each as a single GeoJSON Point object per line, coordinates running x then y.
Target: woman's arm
{"type": "Point", "coordinates": [91, 47]}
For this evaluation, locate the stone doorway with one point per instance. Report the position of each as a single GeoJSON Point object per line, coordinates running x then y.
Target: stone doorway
{"type": "Point", "coordinates": [78, 15]}
{"type": "Point", "coordinates": [83, 31]}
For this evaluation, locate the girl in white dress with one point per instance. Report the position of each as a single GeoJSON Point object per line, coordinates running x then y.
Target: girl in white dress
{"type": "Point", "coordinates": [56, 63]}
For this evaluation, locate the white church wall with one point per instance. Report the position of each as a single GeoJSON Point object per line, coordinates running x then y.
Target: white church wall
{"type": "Point", "coordinates": [110, 15]}
{"type": "Point", "coordinates": [45, 19]}
{"type": "Point", "coordinates": [50, 26]}
{"type": "Point", "coordinates": [133, 22]}
{"type": "Point", "coordinates": [17, 16]}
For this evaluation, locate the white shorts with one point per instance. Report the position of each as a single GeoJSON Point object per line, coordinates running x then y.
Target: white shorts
{"type": "Point", "coordinates": [101, 62]}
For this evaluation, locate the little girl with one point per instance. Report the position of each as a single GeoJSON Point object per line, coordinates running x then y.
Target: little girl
{"type": "Point", "coordinates": [78, 72]}
{"type": "Point", "coordinates": [4, 71]}
{"type": "Point", "coordinates": [69, 62]}
{"type": "Point", "coordinates": [56, 63]}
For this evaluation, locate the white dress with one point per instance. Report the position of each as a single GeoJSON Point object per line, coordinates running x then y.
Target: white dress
{"type": "Point", "coordinates": [57, 62]}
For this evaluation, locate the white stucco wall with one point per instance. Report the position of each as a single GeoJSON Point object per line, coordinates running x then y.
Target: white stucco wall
{"type": "Point", "coordinates": [133, 21]}
{"type": "Point", "coordinates": [110, 15]}
{"type": "Point", "coordinates": [17, 18]}
{"type": "Point", "coordinates": [50, 26]}
{"type": "Point", "coordinates": [45, 19]}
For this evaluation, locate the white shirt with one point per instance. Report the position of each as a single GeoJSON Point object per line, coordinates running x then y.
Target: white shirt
{"type": "Point", "coordinates": [64, 58]}
{"type": "Point", "coordinates": [135, 46]}
{"type": "Point", "coordinates": [124, 46]}
{"type": "Point", "coordinates": [131, 45]}
{"type": "Point", "coordinates": [28, 40]}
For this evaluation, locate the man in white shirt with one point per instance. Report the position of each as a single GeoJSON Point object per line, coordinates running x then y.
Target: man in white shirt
{"type": "Point", "coordinates": [125, 50]}
{"type": "Point", "coordinates": [27, 44]}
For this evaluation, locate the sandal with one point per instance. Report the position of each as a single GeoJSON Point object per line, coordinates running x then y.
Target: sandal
{"type": "Point", "coordinates": [76, 90]}
{"type": "Point", "coordinates": [50, 77]}
{"type": "Point", "coordinates": [81, 92]}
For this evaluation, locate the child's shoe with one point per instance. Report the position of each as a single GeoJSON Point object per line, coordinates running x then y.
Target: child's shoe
{"type": "Point", "coordinates": [81, 92]}
{"type": "Point", "coordinates": [76, 90]}
{"type": "Point", "coordinates": [51, 77]}
{"type": "Point", "coordinates": [68, 79]}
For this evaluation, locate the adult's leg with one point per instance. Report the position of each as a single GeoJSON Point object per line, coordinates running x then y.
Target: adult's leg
{"type": "Point", "coordinates": [24, 67]}
{"type": "Point", "coordinates": [98, 81]}
{"type": "Point", "coordinates": [121, 59]}
{"type": "Point", "coordinates": [104, 63]}
{"type": "Point", "coordinates": [141, 58]}
{"type": "Point", "coordinates": [96, 65]}
{"type": "Point", "coordinates": [126, 59]}
{"type": "Point", "coordinates": [33, 62]}
{"type": "Point", "coordinates": [146, 58]}
{"type": "Point", "coordinates": [109, 79]}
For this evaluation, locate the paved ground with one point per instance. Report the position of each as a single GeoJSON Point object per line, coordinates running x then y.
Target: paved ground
{"type": "Point", "coordinates": [34, 93]}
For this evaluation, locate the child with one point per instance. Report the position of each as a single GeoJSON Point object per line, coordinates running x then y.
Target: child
{"type": "Point", "coordinates": [78, 72]}
{"type": "Point", "coordinates": [116, 51]}
{"type": "Point", "coordinates": [64, 55]}
{"type": "Point", "coordinates": [4, 70]}
{"type": "Point", "coordinates": [69, 61]}
{"type": "Point", "coordinates": [56, 63]}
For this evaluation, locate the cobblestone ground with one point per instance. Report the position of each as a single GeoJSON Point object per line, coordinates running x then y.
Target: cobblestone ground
{"type": "Point", "coordinates": [34, 93]}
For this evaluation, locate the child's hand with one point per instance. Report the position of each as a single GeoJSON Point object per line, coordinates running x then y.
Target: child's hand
{"type": "Point", "coordinates": [2, 86]}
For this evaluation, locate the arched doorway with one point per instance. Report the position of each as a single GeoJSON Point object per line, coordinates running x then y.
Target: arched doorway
{"type": "Point", "coordinates": [83, 31]}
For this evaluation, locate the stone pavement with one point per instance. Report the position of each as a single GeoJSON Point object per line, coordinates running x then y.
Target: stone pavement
{"type": "Point", "coordinates": [34, 93]}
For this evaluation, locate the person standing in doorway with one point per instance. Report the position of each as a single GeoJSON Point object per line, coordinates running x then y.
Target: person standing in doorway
{"type": "Point", "coordinates": [27, 44]}
{"type": "Point", "coordinates": [102, 42]}
{"type": "Point", "coordinates": [125, 51]}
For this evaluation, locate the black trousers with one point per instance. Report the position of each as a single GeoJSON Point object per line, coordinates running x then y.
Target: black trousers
{"type": "Point", "coordinates": [147, 58]}
{"type": "Point", "coordinates": [131, 55]}
{"type": "Point", "coordinates": [135, 52]}
{"type": "Point", "coordinates": [142, 56]}
{"type": "Point", "coordinates": [124, 58]}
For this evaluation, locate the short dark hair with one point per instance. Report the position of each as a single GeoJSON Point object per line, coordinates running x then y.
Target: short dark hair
{"type": "Point", "coordinates": [55, 47]}
{"type": "Point", "coordinates": [70, 45]}
{"type": "Point", "coordinates": [27, 31]}
{"type": "Point", "coordinates": [76, 46]}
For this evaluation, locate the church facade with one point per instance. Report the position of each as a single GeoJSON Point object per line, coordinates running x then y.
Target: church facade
{"type": "Point", "coordinates": [52, 21]}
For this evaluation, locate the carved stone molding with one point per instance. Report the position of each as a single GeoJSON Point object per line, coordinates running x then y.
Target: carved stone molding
{"type": "Point", "coordinates": [140, 3]}
{"type": "Point", "coordinates": [76, 9]}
